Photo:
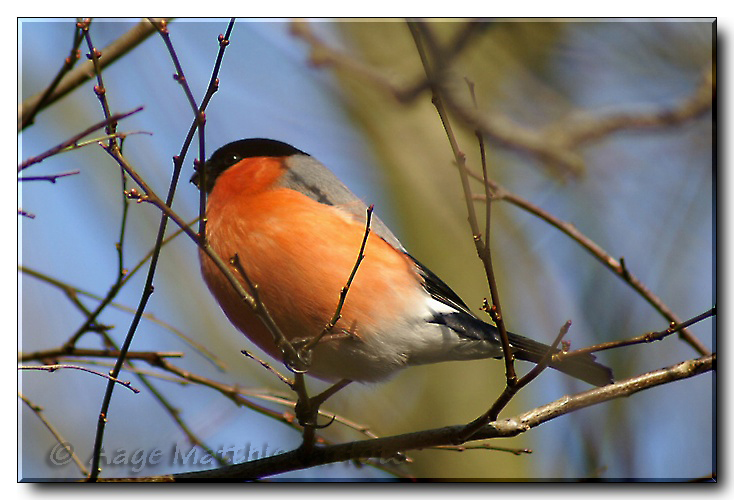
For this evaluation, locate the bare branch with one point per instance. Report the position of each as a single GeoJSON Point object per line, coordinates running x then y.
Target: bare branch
{"type": "Point", "coordinates": [53, 368]}
{"type": "Point", "coordinates": [51, 177]}
{"type": "Point", "coordinates": [69, 63]}
{"type": "Point", "coordinates": [73, 140]}
{"type": "Point", "coordinates": [642, 339]}
{"type": "Point", "coordinates": [345, 289]}
{"type": "Point", "coordinates": [386, 448]}
{"type": "Point", "coordinates": [511, 389]}
{"type": "Point", "coordinates": [152, 357]}
{"type": "Point", "coordinates": [269, 368]}
{"type": "Point", "coordinates": [85, 71]}
{"type": "Point", "coordinates": [618, 267]}
{"type": "Point", "coordinates": [291, 357]}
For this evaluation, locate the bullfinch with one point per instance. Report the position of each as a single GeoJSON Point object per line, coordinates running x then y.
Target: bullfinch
{"type": "Point", "coordinates": [297, 232]}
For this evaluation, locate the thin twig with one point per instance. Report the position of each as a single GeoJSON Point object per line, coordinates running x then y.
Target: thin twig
{"type": "Point", "coordinates": [85, 71]}
{"type": "Point", "coordinates": [211, 89]}
{"type": "Point", "coordinates": [129, 368]}
{"type": "Point", "coordinates": [69, 63]}
{"type": "Point", "coordinates": [616, 266]}
{"type": "Point", "coordinates": [161, 26]}
{"type": "Point", "coordinates": [641, 339]}
{"type": "Point", "coordinates": [483, 446]}
{"type": "Point", "coordinates": [173, 412]}
{"type": "Point", "coordinates": [119, 247]}
{"type": "Point", "coordinates": [291, 357]}
{"type": "Point", "coordinates": [53, 368]}
{"type": "Point", "coordinates": [38, 410]}
{"type": "Point", "coordinates": [198, 111]}
{"type": "Point", "coordinates": [268, 367]}
{"type": "Point", "coordinates": [345, 289]}
{"type": "Point", "coordinates": [510, 390]}
{"type": "Point", "coordinates": [71, 292]}
{"type": "Point", "coordinates": [495, 311]}
{"type": "Point", "coordinates": [239, 396]}
{"type": "Point", "coordinates": [420, 34]}
{"type": "Point", "coordinates": [154, 199]}
{"type": "Point", "coordinates": [99, 89]}
{"type": "Point", "coordinates": [73, 140]}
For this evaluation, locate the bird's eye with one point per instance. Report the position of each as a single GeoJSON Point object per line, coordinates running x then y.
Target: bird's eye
{"type": "Point", "coordinates": [234, 159]}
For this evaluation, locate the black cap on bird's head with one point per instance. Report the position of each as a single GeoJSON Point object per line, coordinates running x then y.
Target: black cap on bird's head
{"type": "Point", "coordinates": [236, 151]}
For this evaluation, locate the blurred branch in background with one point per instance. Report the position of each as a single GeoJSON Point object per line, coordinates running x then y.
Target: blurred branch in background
{"type": "Point", "coordinates": [72, 143]}
{"type": "Point", "coordinates": [616, 266]}
{"type": "Point", "coordinates": [68, 80]}
{"type": "Point", "coordinates": [555, 145]}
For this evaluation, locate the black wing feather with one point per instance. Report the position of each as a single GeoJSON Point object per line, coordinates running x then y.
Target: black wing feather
{"type": "Point", "coordinates": [467, 325]}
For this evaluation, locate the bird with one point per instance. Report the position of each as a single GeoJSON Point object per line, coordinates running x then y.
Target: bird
{"type": "Point", "coordinates": [296, 231]}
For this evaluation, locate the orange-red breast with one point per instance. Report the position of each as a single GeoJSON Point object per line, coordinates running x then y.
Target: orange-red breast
{"type": "Point", "coordinates": [297, 231]}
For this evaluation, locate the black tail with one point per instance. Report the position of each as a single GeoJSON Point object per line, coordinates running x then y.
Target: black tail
{"type": "Point", "coordinates": [582, 367]}
{"type": "Point", "coordinates": [469, 327]}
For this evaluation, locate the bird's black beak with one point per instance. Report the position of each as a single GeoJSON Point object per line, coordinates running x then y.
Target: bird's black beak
{"type": "Point", "coordinates": [195, 180]}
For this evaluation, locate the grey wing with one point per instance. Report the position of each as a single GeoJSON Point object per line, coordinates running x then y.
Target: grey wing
{"type": "Point", "coordinates": [310, 177]}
